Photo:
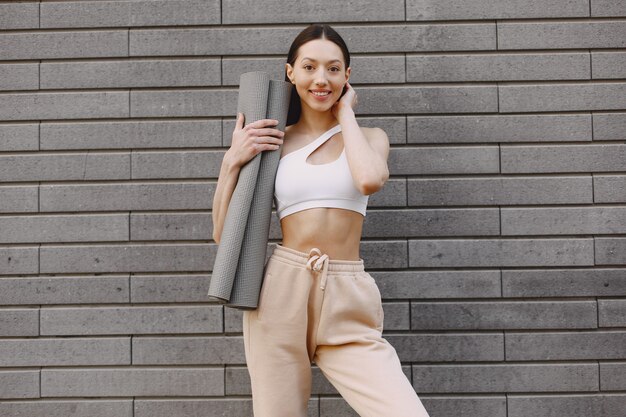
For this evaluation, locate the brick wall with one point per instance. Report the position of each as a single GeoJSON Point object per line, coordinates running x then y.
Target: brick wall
{"type": "Point", "coordinates": [499, 242]}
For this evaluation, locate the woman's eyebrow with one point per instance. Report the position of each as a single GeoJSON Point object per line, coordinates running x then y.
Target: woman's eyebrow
{"type": "Point", "coordinates": [311, 59]}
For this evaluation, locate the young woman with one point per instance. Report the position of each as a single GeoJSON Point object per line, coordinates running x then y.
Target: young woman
{"type": "Point", "coordinates": [317, 303]}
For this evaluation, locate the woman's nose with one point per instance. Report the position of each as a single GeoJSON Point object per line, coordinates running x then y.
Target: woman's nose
{"type": "Point", "coordinates": [320, 79]}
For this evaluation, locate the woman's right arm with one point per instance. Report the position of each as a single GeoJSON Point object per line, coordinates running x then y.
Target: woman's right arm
{"type": "Point", "coordinates": [246, 143]}
{"type": "Point", "coordinates": [229, 173]}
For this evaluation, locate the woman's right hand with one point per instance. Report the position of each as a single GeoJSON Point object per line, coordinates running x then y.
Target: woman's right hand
{"type": "Point", "coordinates": [255, 137]}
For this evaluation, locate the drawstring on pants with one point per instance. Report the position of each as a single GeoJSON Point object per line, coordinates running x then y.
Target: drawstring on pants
{"type": "Point", "coordinates": [318, 261]}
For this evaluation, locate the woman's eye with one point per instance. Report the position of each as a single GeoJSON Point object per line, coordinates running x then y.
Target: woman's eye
{"type": "Point", "coordinates": [310, 66]}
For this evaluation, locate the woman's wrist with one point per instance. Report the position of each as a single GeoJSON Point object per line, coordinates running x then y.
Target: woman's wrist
{"type": "Point", "coordinates": [229, 162]}
{"type": "Point", "coordinates": [346, 114]}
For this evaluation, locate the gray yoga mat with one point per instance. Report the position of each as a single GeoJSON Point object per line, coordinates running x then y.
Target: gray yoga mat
{"type": "Point", "coordinates": [239, 264]}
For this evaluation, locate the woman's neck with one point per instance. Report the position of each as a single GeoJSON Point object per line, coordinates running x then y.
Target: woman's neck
{"type": "Point", "coordinates": [313, 122]}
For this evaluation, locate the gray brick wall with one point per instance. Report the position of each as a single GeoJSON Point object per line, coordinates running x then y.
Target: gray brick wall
{"type": "Point", "coordinates": [498, 243]}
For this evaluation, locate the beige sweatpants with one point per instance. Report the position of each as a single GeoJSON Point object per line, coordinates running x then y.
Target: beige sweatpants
{"type": "Point", "coordinates": [315, 309]}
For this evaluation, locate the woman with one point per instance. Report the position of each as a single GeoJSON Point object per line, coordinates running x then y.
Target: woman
{"type": "Point", "coordinates": [317, 303]}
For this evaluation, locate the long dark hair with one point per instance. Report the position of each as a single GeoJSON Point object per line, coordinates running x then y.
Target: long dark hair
{"type": "Point", "coordinates": [311, 32]}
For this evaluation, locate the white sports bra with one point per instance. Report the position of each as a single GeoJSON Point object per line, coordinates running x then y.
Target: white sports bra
{"type": "Point", "coordinates": [300, 185]}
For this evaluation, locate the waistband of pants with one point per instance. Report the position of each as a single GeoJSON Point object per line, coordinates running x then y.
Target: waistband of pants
{"type": "Point", "coordinates": [301, 258]}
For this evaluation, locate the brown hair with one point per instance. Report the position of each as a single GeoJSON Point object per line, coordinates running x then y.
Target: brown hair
{"type": "Point", "coordinates": [311, 32]}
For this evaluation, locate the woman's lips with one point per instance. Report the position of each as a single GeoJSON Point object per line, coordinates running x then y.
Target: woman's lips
{"type": "Point", "coordinates": [320, 98]}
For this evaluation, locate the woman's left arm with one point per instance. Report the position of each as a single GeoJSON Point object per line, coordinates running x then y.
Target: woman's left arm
{"type": "Point", "coordinates": [367, 156]}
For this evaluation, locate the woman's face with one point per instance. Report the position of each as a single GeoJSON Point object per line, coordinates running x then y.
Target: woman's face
{"type": "Point", "coordinates": [320, 67]}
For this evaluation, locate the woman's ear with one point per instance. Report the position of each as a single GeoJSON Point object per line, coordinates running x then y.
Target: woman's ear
{"type": "Point", "coordinates": [289, 71]}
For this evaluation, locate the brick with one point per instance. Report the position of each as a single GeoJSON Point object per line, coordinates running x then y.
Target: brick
{"type": "Point", "coordinates": [612, 313]}
{"type": "Point", "coordinates": [136, 13]}
{"type": "Point", "coordinates": [18, 76]}
{"type": "Point", "coordinates": [19, 384]}
{"type": "Point", "coordinates": [500, 252]}
{"type": "Point", "coordinates": [609, 188]}
{"type": "Point", "coordinates": [187, 103]}
{"type": "Point", "coordinates": [234, 12]}
{"type": "Point", "coordinates": [63, 44]}
{"type": "Point", "coordinates": [431, 222]}
{"type": "Point", "coordinates": [448, 347]}
{"type": "Point", "coordinates": [608, 64]}
{"type": "Point", "coordinates": [506, 378]}
{"type": "Point", "coordinates": [65, 352]}
{"type": "Point", "coordinates": [131, 73]}
{"type": "Point", "coordinates": [563, 282]}
{"type": "Point", "coordinates": [64, 290]}
{"type": "Point", "coordinates": [396, 316]}
{"type": "Point", "coordinates": [574, 405]}
{"type": "Point", "coordinates": [438, 284]}
{"type": "Point", "coordinates": [19, 16]}
{"type": "Point", "coordinates": [135, 320]}
{"type": "Point", "coordinates": [388, 254]}
{"type": "Point", "coordinates": [177, 164]}
{"type": "Point", "coordinates": [21, 198]}
{"type": "Point", "coordinates": [612, 376]}
{"type": "Point", "coordinates": [609, 126]}
{"type": "Point", "coordinates": [444, 160]}
{"type": "Point", "coordinates": [427, 99]}
{"type": "Point", "coordinates": [497, 67]}
{"type": "Point", "coordinates": [67, 105]}
{"type": "Point", "coordinates": [131, 134]}
{"type": "Point", "coordinates": [475, 405]}
{"type": "Point", "coordinates": [233, 320]}
{"type": "Point", "coordinates": [19, 260]}
{"type": "Point", "coordinates": [19, 322]}
{"type": "Point", "coordinates": [609, 8]}
{"type": "Point", "coordinates": [374, 69]}
{"type": "Point", "coordinates": [169, 288]}
{"type": "Point", "coordinates": [445, 315]}
{"type": "Point", "coordinates": [170, 226]}
{"type": "Point", "coordinates": [563, 158]}
{"type": "Point", "coordinates": [127, 258]}
{"type": "Point", "coordinates": [508, 9]}
{"type": "Point", "coordinates": [565, 346]}
{"type": "Point", "coordinates": [563, 220]}
{"type": "Point", "coordinates": [272, 40]}
{"type": "Point", "coordinates": [74, 166]}
{"type": "Point", "coordinates": [116, 382]}
{"type": "Point", "coordinates": [76, 408]}
{"type": "Point", "coordinates": [126, 196]}
{"type": "Point", "coordinates": [63, 228]}
{"type": "Point", "coordinates": [237, 380]}
{"type": "Point", "coordinates": [562, 97]}
{"type": "Point", "coordinates": [19, 136]}
{"type": "Point", "coordinates": [217, 407]}
{"type": "Point", "coordinates": [610, 251]}
{"type": "Point", "coordinates": [500, 128]}
{"type": "Point", "coordinates": [188, 350]}
{"type": "Point", "coordinates": [501, 190]}
{"type": "Point", "coordinates": [562, 35]}
{"type": "Point", "coordinates": [211, 407]}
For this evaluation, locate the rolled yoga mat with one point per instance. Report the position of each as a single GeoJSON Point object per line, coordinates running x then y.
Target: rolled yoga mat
{"type": "Point", "coordinates": [239, 265]}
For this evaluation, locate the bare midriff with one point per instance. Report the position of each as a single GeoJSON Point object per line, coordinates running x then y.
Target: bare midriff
{"type": "Point", "coordinates": [334, 231]}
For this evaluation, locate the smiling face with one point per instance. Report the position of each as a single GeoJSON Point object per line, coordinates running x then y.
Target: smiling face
{"type": "Point", "coordinates": [319, 73]}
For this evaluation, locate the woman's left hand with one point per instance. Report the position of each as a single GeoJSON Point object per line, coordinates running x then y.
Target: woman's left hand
{"type": "Point", "coordinates": [348, 101]}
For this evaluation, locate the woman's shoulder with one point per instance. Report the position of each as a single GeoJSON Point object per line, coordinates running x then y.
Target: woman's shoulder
{"type": "Point", "coordinates": [292, 130]}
